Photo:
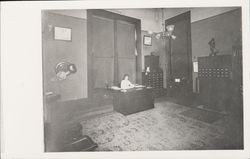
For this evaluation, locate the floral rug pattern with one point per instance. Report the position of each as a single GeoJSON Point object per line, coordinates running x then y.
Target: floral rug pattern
{"type": "Point", "coordinates": [161, 128]}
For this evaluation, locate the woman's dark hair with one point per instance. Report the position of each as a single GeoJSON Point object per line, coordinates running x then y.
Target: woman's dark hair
{"type": "Point", "coordinates": [125, 76]}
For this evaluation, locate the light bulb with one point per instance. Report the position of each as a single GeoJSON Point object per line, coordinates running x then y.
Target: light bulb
{"type": "Point", "coordinates": [170, 28]}
{"type": "Point", "coordinates": [173, 36]}
{"type": "Point", "coordinates": [158, 36]}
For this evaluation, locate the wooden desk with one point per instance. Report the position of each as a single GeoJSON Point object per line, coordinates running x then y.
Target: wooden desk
{"type": "Point", "coordinates": [133, 101]}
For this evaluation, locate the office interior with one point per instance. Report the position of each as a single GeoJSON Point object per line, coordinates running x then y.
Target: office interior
{"type": "Point", "coordinates": [186, 64]}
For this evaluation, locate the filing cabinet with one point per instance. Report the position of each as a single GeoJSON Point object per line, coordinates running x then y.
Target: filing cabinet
{"type": "Point", "coordinates": [215, 67]}
{"type": "Point", "coordinates": [154, 80]}
{"type": "Point", "coordinates": [217, 82]}
{"type": "Point", "coordinates": [214, 73]}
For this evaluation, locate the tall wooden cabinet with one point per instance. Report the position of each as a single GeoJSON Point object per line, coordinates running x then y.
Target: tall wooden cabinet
{"type": "Point", "coordinates": [154, 78]}
{"type": "Point", "coordinates": [214, 75]}
{"type": "Point", "coordinates": [152, 62]}
{"type": "Point", "coordinates": [220, 81]}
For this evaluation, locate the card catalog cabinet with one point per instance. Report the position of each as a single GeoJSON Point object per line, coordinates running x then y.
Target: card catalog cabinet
{"type": "Point", "coordinates": [154, 80]}
{"type": "Point", "coordinates": [220, 81]}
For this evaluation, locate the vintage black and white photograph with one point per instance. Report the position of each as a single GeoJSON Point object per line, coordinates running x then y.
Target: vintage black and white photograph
{"type": "Point", "coordinates": [125, 79]}
{"type": "Point", "coordinates": [142, 79]}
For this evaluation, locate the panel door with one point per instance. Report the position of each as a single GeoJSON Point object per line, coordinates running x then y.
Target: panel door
{"type": "Point", "coordinates": [179, 56]}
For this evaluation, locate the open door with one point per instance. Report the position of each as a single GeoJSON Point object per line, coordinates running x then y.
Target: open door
{"type": "Point", "coordinates": [179, 57]}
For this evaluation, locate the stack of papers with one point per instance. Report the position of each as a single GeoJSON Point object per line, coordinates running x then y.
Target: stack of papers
{"type": "Point", "coordinates": [139, 86]}
{"type": "Point", "coordinates": [115, 88]}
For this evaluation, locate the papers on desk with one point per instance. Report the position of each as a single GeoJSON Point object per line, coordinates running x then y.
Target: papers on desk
{"type": "Point", "coordinates": [139, 89]}
{"type": "Point", "coordinates": [139, 86]}
{"type": "Point", "coordinates": [123, 90]}
{"type": "Point", "coordinates": [131, 89]}
{"type": "Point", "coordinates": [115, 88]}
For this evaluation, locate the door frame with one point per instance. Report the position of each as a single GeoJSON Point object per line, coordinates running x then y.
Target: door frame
{"type": "Point", "coordinates": [115, 17]}
{"type": "Point", "coordinates": [180, 17]}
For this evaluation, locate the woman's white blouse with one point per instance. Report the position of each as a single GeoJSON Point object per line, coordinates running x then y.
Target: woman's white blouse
{"type": "Point", "coordinates": [126, 84]}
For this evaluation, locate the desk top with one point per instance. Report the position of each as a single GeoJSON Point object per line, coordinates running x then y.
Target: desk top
{"type": "Point", "coordinates": [137, 89]}
{"type": "Point", "coordinates": [128, 91]}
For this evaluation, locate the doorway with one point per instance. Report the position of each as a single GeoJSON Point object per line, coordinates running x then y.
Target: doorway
{"type": "Point", "coordinates": [179, 58]}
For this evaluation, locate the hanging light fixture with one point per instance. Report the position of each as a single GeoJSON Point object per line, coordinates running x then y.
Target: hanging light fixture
{"type": "Point", "coordinates": [165, 32]}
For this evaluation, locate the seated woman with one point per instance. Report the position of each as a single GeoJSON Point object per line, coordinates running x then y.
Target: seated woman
{"type": "Point", "coordinates": [125, 83]}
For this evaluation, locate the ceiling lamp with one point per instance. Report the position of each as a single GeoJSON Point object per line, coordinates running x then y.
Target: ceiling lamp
{"type": "Point", "coordinates": [166, 32]}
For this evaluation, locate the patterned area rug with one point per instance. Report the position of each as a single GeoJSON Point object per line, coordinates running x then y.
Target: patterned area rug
{"type": "Point", "coordinates": [202, 115]}
{"type": "Point", "coordinates": [161, 128]}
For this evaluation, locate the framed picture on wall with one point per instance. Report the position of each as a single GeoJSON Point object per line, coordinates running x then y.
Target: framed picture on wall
{"type": "Point", "coordinates": [61, 33]}
{"type": "Point", "coordinates": [147, 40]}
